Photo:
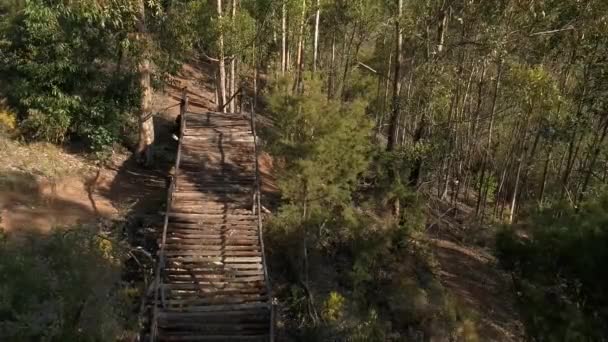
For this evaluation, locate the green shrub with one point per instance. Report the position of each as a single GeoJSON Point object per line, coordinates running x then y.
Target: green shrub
{"type": "Point", "coordinates": [62, 287]}
{"type": "Point", "coordinates": [8, 121]}
{"type": "Point", "coordinates": [59, 70]}
{"type": "Point", "coordinates": [558, 259]}
{"type": "Point", "coordinates": [325, 145]}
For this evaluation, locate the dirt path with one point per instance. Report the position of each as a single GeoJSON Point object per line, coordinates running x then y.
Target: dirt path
{"type": "Point", "coordinates": [47, 204]}
{"type": "Point", "coordinates": [470, 274]}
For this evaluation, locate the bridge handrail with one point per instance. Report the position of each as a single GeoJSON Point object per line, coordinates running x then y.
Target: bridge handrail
{"type": "Point", "coordinates": [172, 187]}
{"type": "Point", "coordinates": [258, 207]}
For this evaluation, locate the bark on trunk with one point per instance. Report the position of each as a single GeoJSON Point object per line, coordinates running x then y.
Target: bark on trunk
{"type": "Point", "coordinates": [332, 73]}
{"type": "Point", "coordinates": [300, 52]}
{"type": "Point", "coordinates": [146, 122]}
{"type": "Point", "coordinates": [443, 23]}
{"type": "Point", "coordinates": [284, 37]}
{"type": "Point", "coordinates": [233, 105]}
{"type": "Point", "coordinates": [316, 41]}
{"type": "Point", "coordinates": [593, 160]}
{"type": "Point", "coordinates": [394, 123]}
{"type": "Point", "coordinates": [221, 64]}
{"type": "Point", "coordinates": [483, 188]}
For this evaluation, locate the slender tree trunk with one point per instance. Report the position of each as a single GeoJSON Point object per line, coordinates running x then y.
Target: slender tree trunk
{"type": "Point", "coordinates": [443, 23]}
{"type": "Point", "coordinates": [500, 197]}
{"type": "Point", "coordinates": [543, 183]}
{"type": "Point", "coordinates": [521, 161]}
{"type": "Point", "coordinates": [221, 63]}
{"type": "Point", "coordinates": [516, 187]}
{"type": "Point", "coordinates": [408, 97]}
{"type": "Point", "coordinates": [572, 146]}
{"type": "Point", "coordinates": [284, 37]}
{"type": "Point", "coordinates": [316, 39]}
{"type": "Point", "coordinates": [592, 161]}
{"type": "Point", "coordinates": [346, 53]}
{"type": "Point", "coordinates": [414, 176]}
{"type": "Point", "coordinates": [146, 122]}
{"type": "Point", "coordinates": [300, 52]}
{"type": "Point", "coordinates": [255, 75]}
{"type": "Point", "coordinates": [394, 122]}
{"type": "Point", "coordinates": [233, 105]}
{"type": "Point", "coordinates": [483, 188]}
{"type": "Point", "coordinates": [216, 77]}
{"type": "Point", "coordinates": [386, 92]}
{"type": "Point", "coordinates": [332, 65]}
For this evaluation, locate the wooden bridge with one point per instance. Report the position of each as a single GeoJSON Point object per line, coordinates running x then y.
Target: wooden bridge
{"type": "Point", "coordinates": [212, 282]}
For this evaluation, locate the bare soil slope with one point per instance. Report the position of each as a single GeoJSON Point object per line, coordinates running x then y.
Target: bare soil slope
{"type": "Point", "coordinates": [471, 275]}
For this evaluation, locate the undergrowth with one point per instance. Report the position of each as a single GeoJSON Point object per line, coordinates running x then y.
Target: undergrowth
{"type": "Point", "coordinates": [366, 280]}
{"type": "Point", "coordinates": [38, 159]}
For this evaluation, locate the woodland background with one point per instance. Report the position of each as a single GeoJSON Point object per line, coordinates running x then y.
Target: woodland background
{"type": "Point", "coordinates": [387, 120]}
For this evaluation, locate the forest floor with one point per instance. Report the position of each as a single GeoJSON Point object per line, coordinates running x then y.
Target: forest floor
{"type": "Point", "coordinates": [43, 186]}
{"type": "Point", "coordinates": [467, 268]}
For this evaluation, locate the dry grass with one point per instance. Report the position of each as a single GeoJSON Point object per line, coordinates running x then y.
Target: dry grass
{"type": "Point", "coordinates": [39, 160]}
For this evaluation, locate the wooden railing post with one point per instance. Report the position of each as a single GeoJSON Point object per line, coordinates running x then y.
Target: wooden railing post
{"type": "Point", "coordinates": [258, 210]}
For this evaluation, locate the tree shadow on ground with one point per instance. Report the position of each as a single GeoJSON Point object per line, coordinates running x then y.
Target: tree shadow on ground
{"type": "Point", "coordinates": [471, 276]}
{"type": "Point", "coordinates": [31, 202]}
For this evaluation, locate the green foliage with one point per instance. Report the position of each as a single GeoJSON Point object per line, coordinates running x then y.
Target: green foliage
{"type": "Point", "coordinates": [62, 287]}
{"type": "Point", "coordinates": [559, 265]}
{"type": "Point", "coordinates": [333, 307]}
{"type": "Point", "coordinates": [324, 144]}
{"type": "Point", "coordinates": [61, 72]}
{"type": "Point", "coordinates": [8, 121]}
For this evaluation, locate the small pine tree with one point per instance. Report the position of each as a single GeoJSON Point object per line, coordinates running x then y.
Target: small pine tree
{"type": "Point", "coordinates": [323, 144]}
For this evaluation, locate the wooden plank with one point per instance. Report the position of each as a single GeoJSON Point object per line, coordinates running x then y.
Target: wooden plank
{"type": "Point", "coordinates": [229, 138]}
{"type": "Point", "coordinates": [220, 256]}
{"type": "Point", "coordinates": [209, 270]}
{"type": "Point", "coordinates": [224, 218]}
{"type": "Point", "coordinates": [233, 238]}
{"type": "Point", "coordinates": [190, 117]}
{"type": "Point", "coordinates": [202, 177]}
{"type": "Point", "coordinates": [215, 338]}
{"type": "Point", "coordinates": [231, 262]}
{"type": "Point", "coordinates": [196, 231]}
{"type": "Point", "coordinates": [224, 308]}
{"type": "Point", "coordinates": [189, 261]}
{"type": "Point", "coordinates": [219, 260]}
{"type": "Point", "coordinates": [211, 293]}
{"type": "Point", "coordinates": [211, 248]}
{"type": "Point", "coordinates": [204, 208]}
{"type": "Point", "coordinates": [204, 227]}
{"type": "Point", "coordinates": [209, 196]}
{"type": "Point", "coordinates": [230, 150]}
{"type": "Point", "coordinates": [217, 129]}
{"type": "Point", "coordinates": [218, 325]}
{"type": "Point", "coordinates": [217, 243]}
{"type": "Point", "coordinates": [202, 286]}
{"type": "Point", "coordinates": [196, 278]}
{"type": "Point", "coordinates": [201, 189]}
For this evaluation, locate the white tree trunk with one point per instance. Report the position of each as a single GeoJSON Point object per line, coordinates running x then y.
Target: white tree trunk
{"type": "Point", "coordinates": [284, 38]}
{"type": "Point", "coordinates": [146, 122]}
{"type": "Point", "coordinates": [221, 64]}
{"type": "Point", "coordinates": [316, 41]}
{"type": "Point", "coordinates": [300, 52]}
{"type": "Point", "coordinates": [394, 123]}
{"type": "Point", "coordinates": [233, 105]}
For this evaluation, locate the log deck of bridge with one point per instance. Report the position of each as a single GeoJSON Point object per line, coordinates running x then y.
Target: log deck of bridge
{"type": "Point", "coordinates": [212, 283]}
